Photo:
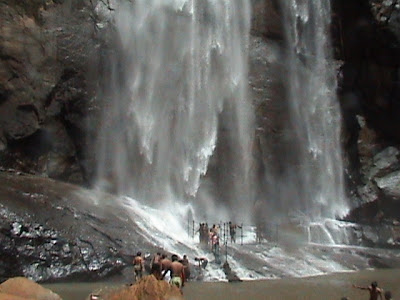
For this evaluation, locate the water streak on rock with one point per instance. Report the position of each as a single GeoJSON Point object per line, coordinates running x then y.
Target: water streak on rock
{"type": "Point", "coordinates": [315, 112]}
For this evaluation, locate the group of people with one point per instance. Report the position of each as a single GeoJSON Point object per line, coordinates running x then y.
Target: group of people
{"type": "Point", "coordinates": [374, 292]}
{"type": "Point", "coordinates": [203, 234]}
{"type": "Point", "coordinates": [175, 269]}
{"type": "Point", "coordinates": [212, 236]}
{"type": "Point", "coordinates": [178, 271]}
{"type": "Point", "coordinates": [209, 237]}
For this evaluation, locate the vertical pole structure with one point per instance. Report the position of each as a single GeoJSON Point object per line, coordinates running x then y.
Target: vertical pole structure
{"type": "Point", "coordinates": [226, 250]}
{"type": "Point", "coordinates": [224, 232]}
{"type": "Point", "coordinates": [193, 230]}
{"type": "Point", "coordinates": [188, 226]}
{"type": "Point", "coordinates": [277, 233]}
{"type": "Point", "coordinates": [241, 235]}
{"type": "Point", "coordinates": [228, 232]}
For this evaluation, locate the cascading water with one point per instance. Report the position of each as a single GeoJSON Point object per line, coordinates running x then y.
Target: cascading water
{"type": "Point", "coordinates": [177, 89]}
{"type": "Point", "coordinates": [176, 108]}
{"type": "Point", "coordinates": [315, 111]}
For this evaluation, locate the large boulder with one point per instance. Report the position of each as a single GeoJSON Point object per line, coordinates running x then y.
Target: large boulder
{"type": "Point", "coordinates": [379, 195]}
{"type": "Point", "coordinates": [390, 184]}
{"type": "Point", "coordinates": [53, 231]}
{"type": "Point", "coordinates": [148, 288]}
{"type": "Point", "coordinates": [23, 288]}
{"type": "Point", "coordinates": [384, 162]}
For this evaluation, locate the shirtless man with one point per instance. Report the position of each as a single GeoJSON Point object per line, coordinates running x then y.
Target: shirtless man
{"type": "Point", "coordinates": [232, 231]}
{"type": "Point", "coordinates": [138, 266]}
{"type": "Point", "coordinates": [202, 262]}
{"type": "Point", "coordinates": [388, 295]}
{"type": "Point", "coordinates": [176, 270]}
{"type": "Point", "coordinates": [165, 264]}
{"type": "Point", "coordinates": [156, 265]}
{"type": "Point", "coordinates": [186, 266]}
{"type": "Point", "coordinates": [373, 289]}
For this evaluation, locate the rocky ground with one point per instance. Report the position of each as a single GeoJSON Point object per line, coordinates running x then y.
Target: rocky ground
{"type": "Point", "coordinates": [56, 231]}
{"type": "Point", "coordinates": [52, 231]}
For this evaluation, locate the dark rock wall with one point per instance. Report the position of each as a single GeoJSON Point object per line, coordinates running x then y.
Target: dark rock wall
{"type": "Point", "coordinates": [46, 50]}
{"type": "Point", "coordinates": [267, 89]}
{"type": "Point", "coordinates": [52, 65]}
{"type": "Point", "coordinates": [366, 35]}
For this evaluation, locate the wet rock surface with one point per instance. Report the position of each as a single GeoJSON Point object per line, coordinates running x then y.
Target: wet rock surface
{"type": "Point", "coordinates": [387, 13]}
{"type": "Point", "coordinates": [48, 114]}
{"type": "Point", "coordinates": [51, 231]}
{"type": "Point", "coordinates": [379, 193]}
{"type": "Point", "coordinates": [366, 35]}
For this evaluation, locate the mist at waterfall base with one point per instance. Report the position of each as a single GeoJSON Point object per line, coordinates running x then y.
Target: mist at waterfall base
{"type": "Point", "coordinates": [178, 130]}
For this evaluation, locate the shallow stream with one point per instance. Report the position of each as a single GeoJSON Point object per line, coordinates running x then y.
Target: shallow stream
{"type": "Point", "coordinates": [333, 286]}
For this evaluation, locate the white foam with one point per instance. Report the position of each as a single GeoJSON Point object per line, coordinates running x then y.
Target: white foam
{"type": "Point", "coordinates": [167, 227]}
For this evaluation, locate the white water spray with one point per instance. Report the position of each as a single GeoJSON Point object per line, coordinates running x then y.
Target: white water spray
{"type": "Point", "coordinates": [178, 91]}
{"type": "Point", "coordinates": [315, 111]}
{"type": "Point", "coordinates": [177, 94]}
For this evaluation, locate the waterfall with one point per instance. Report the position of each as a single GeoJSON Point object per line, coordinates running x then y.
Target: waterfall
{"type": "Point", "coordinates": [317, 174]}
{"type": "Point", "coordinates": [177, 92]}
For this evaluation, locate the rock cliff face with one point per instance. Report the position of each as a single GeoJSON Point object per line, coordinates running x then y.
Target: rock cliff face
{"type": "Point", "coordinates": [367, 41]}
{"type": "Point", "coordinates": [366, 46]}
{"type": "Point", "coordinates": [49, 52]}
{"type": "Point", "coordinates": [52, 61]}
{"type": "Point", "coordinates": [46, 49]}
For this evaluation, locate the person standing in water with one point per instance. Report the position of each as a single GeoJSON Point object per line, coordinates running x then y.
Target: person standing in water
{"type": "Point", "coordinates": [156, 265]}
{"type": "Point", "coordinates": [176, 270]}
{"type": "Point", "coordinates": [232, 231]}
{"type": "Point", "coordinates": [186, 266]}
{"type": "Point", "coordinates": [138, 266]}
{"type": "Point", "coordinates": [165, 264]}
{"type": "Point", "coordinates": [374, 290]}
{"type": "Point", "coordinates": [388, 295]}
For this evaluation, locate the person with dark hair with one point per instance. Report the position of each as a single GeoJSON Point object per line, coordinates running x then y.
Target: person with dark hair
{"type": "Point", "coordinates": [156, 265]}
{"type": "Point", "coordinates": [203, 233]}
{"type": "Point", "coordinates": [176, 270]}
{"type": "Point", "coordinates": [138, 266]}
{"type": "Point", "coordinates": [186, 266]}
{"type": "Point", "coordinates": [165, 265]}
{"type": "Point", "coordinates": [374, 290]}
{"type": "Point", "coordinates": [388, 295]}
{"type": "Point", "coordinates": [232, 231]}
